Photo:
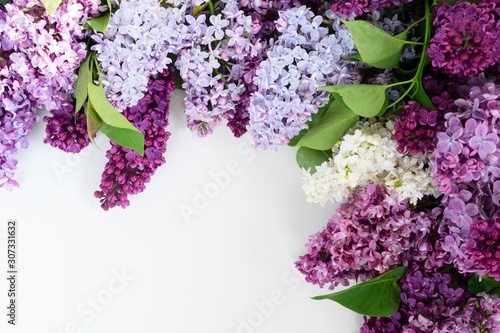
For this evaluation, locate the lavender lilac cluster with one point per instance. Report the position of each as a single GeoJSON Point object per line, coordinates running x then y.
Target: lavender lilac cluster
{"type": "Point", "coordinates": [39, 54]}
{"type": "Point", "coordinates": [467, 37]}
{"type": "Point", "coordinates": [368, 235]}
{"type": "Point", "coordinates": [304, 57]}
{"type": "Point", "coordinates": [126, 173]}
{"type": "Point", "coordinates": [220, 62]}
{"type": "Point", "coordinates": [136, 45]}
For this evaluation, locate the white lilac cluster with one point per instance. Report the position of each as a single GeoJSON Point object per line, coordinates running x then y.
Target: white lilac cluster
{"type": "Point", "coordinates": [139, 38]}
{"type": "Point", "coordinates": [305, 56]}
{"type": "Point", "coordinates": [215, 54]}
{"type": "Point", "coordinates": [368, 155]}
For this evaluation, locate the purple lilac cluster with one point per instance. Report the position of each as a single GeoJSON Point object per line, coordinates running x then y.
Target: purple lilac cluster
{"type": "Point", "coordinates": [466, 168]}
{"type": "Point", "coordinates": [416, 129]}
{"type": "Point", "coordinates": [360, 7]}
{"type": "Point", "coordinates": [467, 150]}
{"type": "Point", "coordinates": [305, 56]}
{"type": "Point", "coordinates": [435, 302]}
{"type": "Point", "coordinates": [482, 247]}
{"type": "Point", "coordinates": [39, 54]}
{"type": "Point", "coordinates": [127, 172]}
{"type": "Point", "coordinates": [368, 235]}
{"type": "Point", "coordinates": [467, 37]}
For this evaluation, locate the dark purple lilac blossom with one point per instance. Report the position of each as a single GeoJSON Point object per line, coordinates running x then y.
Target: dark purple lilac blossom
{"type": "Point", "coordinates": [368, 235]}
{"type": "Point", "coordinates": [437, 302]}
{"type": "Point", "coordinates": [127, 172]}
{"type": "Point", "coordinates": [416, 129]}
{"type": "Point", "coordinates": [467, 37]}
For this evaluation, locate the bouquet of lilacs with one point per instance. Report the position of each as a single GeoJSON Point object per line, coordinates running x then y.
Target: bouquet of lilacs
{"type": "Point", "coordinates": [393, 105]}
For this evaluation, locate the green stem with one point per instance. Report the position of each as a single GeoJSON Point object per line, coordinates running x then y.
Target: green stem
{"type": "Point", "coordinates": [404, 94]}
{"type": "Point", "coordinates": [398, 83]}
{"type": "Point", "coordinates": [427, 37]}
{"type": "Point", "coordinates": [414, 43]}
{"type": "Point", "coordinates": [201, 8]}
{"type": "Point", "coordinates": [414, 23]}
{"type": "Point", "coordinates": [211, 6]}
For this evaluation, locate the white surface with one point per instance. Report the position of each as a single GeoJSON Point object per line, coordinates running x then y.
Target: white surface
{"type": "Point", "coordinates": [217, 271]}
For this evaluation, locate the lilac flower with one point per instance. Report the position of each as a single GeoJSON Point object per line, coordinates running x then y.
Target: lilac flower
{"type": "Point", "coordinates": [416, 129]}
{"type": "Point", "coordinates": [449, 142]}
{"type": "Point", "coordinates": [39, 54]}
{"type": "Point", "coordinates": [126, 172]}
{"type": "Point", "coordinates": [303, 58]}
{"type": "Point", "coordinates": [136, 45]}
{"type": "Point", "coordinates": [367, 236]}
{"type": "Point", "coordinates": [483, 248]}
{"type": "Point", "coordinates": [483, 141]}
{"type": "Point", "coordinates": [466, 38]}
{"type": "Point", "coordinates": [461, 213]}
{"type": "Point", "coordinates": [428, 304]}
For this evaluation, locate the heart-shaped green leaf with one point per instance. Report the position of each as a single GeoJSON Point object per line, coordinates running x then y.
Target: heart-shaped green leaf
{"type": "Point", "coordinates": [81, 88]}
{"type": "Point", "coordinates": [310, 124]}
{"type": "Point", "coordinates": [100, 23]}
{"type": "Point", "coordinates": [51, 5]}
{"type": "Point", "coordinates": [378, 297]}
{"type": "Point", "coordinates": [330, 128]}
{"type": "Point", "coordinates": [366, 100]}
{"type": "Point", "coordinates": [309, 159]}
{"type": "Point", "coordinates": [376, 47]}
{"type": "Point", "coordinates": [116, 127]}
{"type": "Point", "coordinates": [94, 122]}
{"type": "Point", "coordinates": [487, 284]}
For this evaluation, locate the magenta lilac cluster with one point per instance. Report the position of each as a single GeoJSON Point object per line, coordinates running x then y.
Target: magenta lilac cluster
{"type": "Point", "coordinates": [437, 302]}
{"type": "Point", "coordinates": [39, 54]}
{"type": "Point", "coordinates": [360, 7]}
{"type": "Point", "coordinates": [482, 248]}
{"type": "Point", "coordinates": [467, 37]}
{"type": "Point", "coordinates": [127, 172]}
{"type": "Point", "coordinates": [368, 235]}
{"type": "Point", "coordinates": [416, 129]}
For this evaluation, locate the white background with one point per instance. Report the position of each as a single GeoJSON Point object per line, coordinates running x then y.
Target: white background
{"type": "Point", "coordinates": [227, 267]}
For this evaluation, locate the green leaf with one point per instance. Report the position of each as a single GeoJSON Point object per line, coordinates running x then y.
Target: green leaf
{"type": "Point", "coordinates": [94, 122]}
{"type": "Point", "coordinates": [308, 158]}
{"type": "Point", "coordinates": [310, 124]}
{"type": "Point", "coordinates": [177, 74]}
{"type": "Point", "coordinates": [356, 57]}
{"type": "Point", "coordinates": [4, 1]}
{"type": "Point", "coordinates": [100, 23]}
{"type": "Point", "coordinates": [376, 47]}
{"type": "Point", "coordinates": [81, 88]}
{"type": "Point", "coordinates": [487, 284]}
{"type": "Point", "coordinates": [115, 125]}
{"type": "Point", "coordinates": [378, 297]}
{"type": "Point", "coordinates": [51, 5]}
{"type": "Point", "coordinates": [330, 128]}
{"type": "Point", "coordinates": [365, 100]}
{"type": "Point", "coordinates": [418, 95]}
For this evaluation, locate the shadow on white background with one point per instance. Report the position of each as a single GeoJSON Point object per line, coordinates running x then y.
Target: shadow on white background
{"type": "Point", "coordinates": [225, 268]}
